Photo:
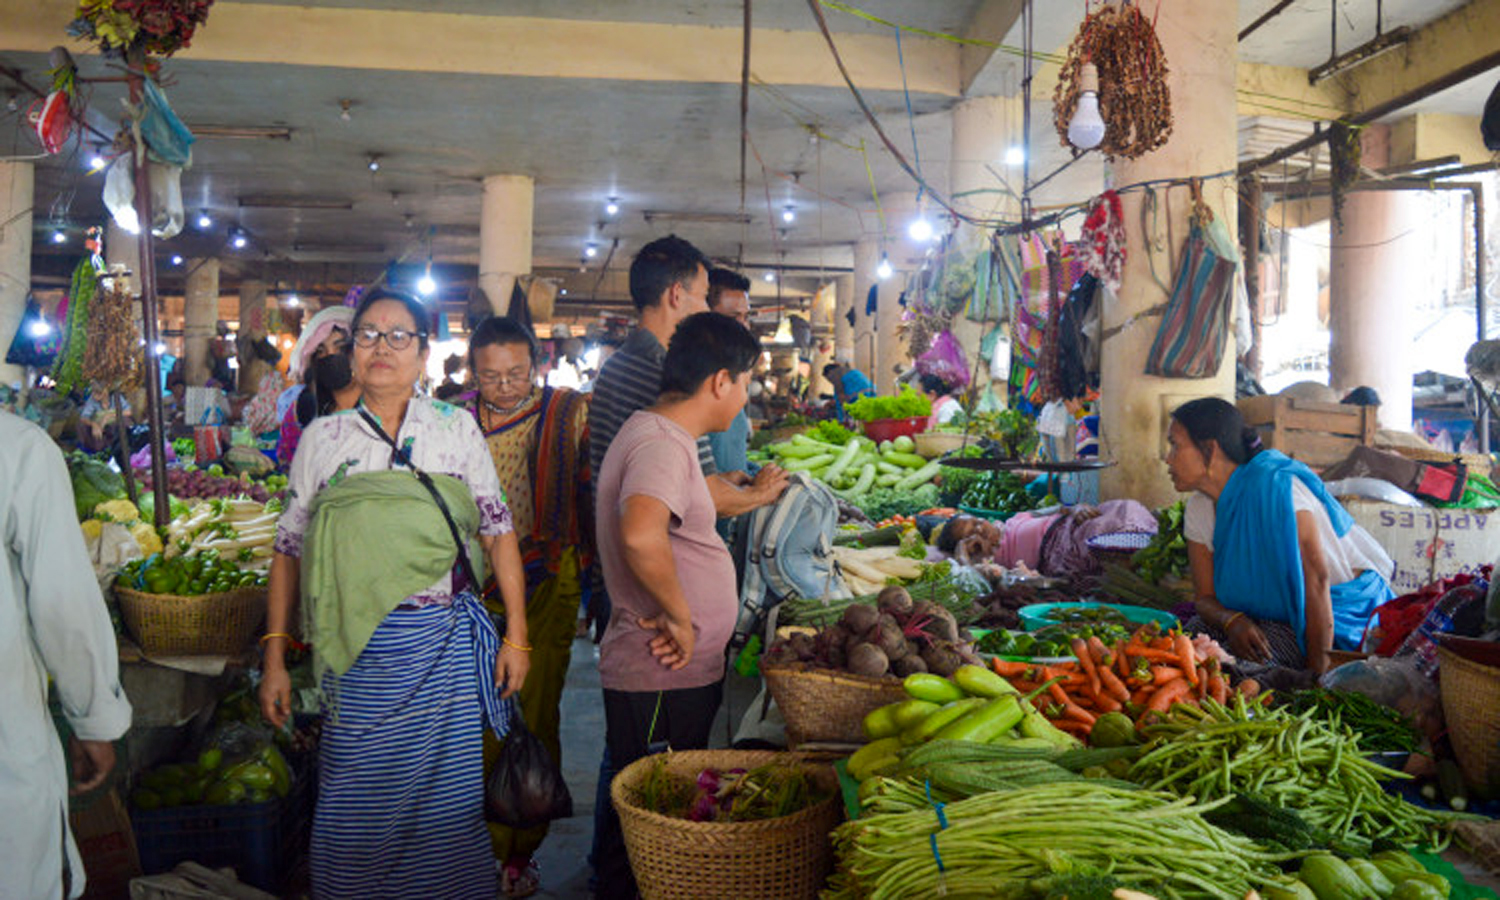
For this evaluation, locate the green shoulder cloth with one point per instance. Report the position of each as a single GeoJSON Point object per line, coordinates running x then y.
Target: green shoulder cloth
{"type": "Point", "coordinates": [374, 539]}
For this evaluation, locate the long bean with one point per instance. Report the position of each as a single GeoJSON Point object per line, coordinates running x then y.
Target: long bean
{"type": "Point", "coordinates": [998, 843]}
{"type": "Point", "coordinates": [1298, 761]}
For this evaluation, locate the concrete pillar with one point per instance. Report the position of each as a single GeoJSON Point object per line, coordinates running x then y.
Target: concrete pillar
{"type": "Point", "coordinates": [907, 257]}
{"type": "Point", "coordinates": [824, 305]}
{"type": "Point", "coordinates": [1376, 268]}
{"type": "Point", "coordinates": [199, 314]}
{"type": "Point", "coordinates": [843, 329]}
{"type": "Point", "coordinates": [984, 128]}
{"type": "Point", "coordinates": [866, 258]}
{"type": "Point", "coordinates": [16, 180]}
{"type": "Point", "coordinates": [252, 329]}
{"type": "Point", "coordinates": [1199, 38]}
{"type": "Point", "coordinates": [121, 248]}
{"type": "Point", "coordinates": [505, 220]}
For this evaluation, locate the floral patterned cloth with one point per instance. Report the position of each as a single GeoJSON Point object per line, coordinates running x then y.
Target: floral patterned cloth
{"type": "Point", "coordinates": [260, 413]}
{"type": "Point", "coordinates": [441, 438]}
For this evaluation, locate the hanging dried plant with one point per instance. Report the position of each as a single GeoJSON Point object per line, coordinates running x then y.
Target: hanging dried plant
{"type": "Point", "coordinates": [1134, 99]}
{"type": "Point", "coordinates": [1344, 153]}
{"type": "Point", "coordinates": [112, 357]}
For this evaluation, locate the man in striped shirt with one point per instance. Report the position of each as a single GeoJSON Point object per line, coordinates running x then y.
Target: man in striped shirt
{"type": "Point", "coordinates": [668, 283]}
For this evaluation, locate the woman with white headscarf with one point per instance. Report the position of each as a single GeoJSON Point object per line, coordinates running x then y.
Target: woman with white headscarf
{"type": "Point", "coordinates": [320, 361]}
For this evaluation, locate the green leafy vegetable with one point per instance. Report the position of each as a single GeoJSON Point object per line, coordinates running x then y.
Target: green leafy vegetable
{"type": "Point", "coordinates": [905, 405]}
{"type": "Point", "coordinates": [830, 433]}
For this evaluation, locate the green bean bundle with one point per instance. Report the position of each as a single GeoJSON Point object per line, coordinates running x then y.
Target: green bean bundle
{"type": "Point", "coordinates": [1294, 761]}
{"type": "Point", "coordinates": [1006, 844]}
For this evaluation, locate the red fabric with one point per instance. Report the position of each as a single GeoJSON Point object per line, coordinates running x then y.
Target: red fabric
{"type": "Point", "coordinates": [1399, 617]}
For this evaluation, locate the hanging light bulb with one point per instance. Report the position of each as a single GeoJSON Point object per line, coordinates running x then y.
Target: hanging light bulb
{"type": "Point", "coordinates": [39, 328]}
{"type": "Point", "coordinates": [590, 251]}
{"type": "Point", "coordinates": [1086, 128]}
{"type": "Point", "coordinates": [1015, 156]}
{"type": "Point", "coordinates": [205, 221]}
{"type": "Point", "coordinates": [770, 276]}
{"type": "Point", "coordinates": [884, 270]}
{"type": "Point", "coordinates": [425, 285]}
{"type": "Point", "coordinates": [176, 259]}
{"type": "Point", "coordinates": [59, 236]}
{"type": "Point", "coordinates": [920, 230]}
{"type": "Point", "coordinates": [789, 215]}
{"type": "Point", "coordinates": [612, 207]}
{"type": "Point", "coordinates": [237, 238]}
{"type": "Point", "coordinates": [374, 162]}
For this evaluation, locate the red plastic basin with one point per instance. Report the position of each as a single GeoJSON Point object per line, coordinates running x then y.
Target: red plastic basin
{"type": "Point", "coordinates": [879, 430]}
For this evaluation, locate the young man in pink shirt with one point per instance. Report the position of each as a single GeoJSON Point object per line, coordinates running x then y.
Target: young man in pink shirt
{"type": "Point", "coordinates": [670, 578]}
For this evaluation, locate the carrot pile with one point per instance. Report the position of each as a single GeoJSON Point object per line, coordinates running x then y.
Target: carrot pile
{"type": "Point", "coordinates": [1140, 676]}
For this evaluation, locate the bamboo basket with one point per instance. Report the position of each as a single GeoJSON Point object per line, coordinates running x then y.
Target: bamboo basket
{"type": "Point", "coordinates": [823, 705]}
{"type": "Point", "coordinates": [932, 444]}
{"type": "Point", "coordinates": [1471, 707]}
{"type": "Point", "coordinates": [787, 858]}
{"type": "Point", "coordinates": [200, 625]}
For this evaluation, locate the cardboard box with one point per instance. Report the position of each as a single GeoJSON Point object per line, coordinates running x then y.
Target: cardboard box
{"type": "Point", "coordinates": [1429, 544]}
{"type": "Point", "coordinates": [106, 844]}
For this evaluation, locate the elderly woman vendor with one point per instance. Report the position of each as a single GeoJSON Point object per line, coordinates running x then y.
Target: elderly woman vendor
{"type": "Point", "coordinates": [409, 662]}
{"type": "Point", "coordinates": [1280, 570]}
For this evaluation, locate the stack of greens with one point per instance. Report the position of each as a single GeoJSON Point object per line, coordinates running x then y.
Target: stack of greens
{"type": "Point", "coordinates": [908, 404]}
{"type": "Point", "coordinates": [1166, 555]}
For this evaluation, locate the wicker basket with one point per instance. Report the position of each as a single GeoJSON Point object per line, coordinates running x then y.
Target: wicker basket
{"type": "Point", "coordinates": [1471, 706]}
{"type": "Point", "coordinates": [822, 705]}
{"type": "Point", "coordinates": [201, 625]}
{"type": "Point", "coordinates": [932, 444]}
{"type": "Point", "coordinates": [789, 857]}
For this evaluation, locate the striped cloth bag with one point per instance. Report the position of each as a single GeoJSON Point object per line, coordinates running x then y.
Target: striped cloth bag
{"type": "Point", "coordinates": [1195, 327]}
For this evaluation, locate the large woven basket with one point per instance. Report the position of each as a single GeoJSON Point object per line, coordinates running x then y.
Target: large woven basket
{"type": "Point", "coordinates": [201, 625]}
{"type": "Point", "coordinates": [775, 859]}
{"type": "Point", "coordinates": [1471, 707]}
{"type": "Point", "coordinates": [823, 705]}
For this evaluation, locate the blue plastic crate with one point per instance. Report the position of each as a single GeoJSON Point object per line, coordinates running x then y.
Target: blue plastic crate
{"type": "Point", "coordinates": [262, 842]}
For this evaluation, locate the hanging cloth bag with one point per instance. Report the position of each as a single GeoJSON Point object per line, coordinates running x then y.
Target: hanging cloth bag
{"type": "Point", "coordinates": [1195, 327]}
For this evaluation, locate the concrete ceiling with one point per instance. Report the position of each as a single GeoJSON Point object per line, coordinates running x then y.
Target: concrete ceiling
{"type": "Point", "coordinates": [665, 145]}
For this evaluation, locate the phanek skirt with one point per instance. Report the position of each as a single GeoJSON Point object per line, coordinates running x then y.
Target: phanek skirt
{"type": "Point", "coordinates": [401, 790]}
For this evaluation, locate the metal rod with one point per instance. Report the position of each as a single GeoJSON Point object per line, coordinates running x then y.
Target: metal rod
{"type": "Point", "coordinates": [744, 103]}
{"type": "Point", "coordinates": [1267, 16]}
{"type": "Point", "coordinates": [149, 324]}
{"type": "Point", "coordinates": [1481, 307]}
{"type": "Point", "coordinates": [1380, 110]}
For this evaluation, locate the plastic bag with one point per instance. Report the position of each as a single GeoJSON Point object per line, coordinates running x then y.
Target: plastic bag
{"type": "Point", "coordinates": [1396, 683]}
{"type": "Point", "coordinates": [945, 359]}
{"type": "Point", "coordinates": [526, 787]}
{"type": "Point", "coordinates": [1371, 489]}
{"type": "Point", "coordinates": [166, 196]}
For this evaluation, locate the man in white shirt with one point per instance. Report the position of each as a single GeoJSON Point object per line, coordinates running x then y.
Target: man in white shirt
{"type": "Point", "coordinates": [52, 624]}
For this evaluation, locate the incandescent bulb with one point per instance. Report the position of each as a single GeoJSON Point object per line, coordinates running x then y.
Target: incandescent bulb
{"type": "Point", "coordinates": [920, 230]}
{"type": "Point", "coordinates": [426, 286]}
{"type": "Point", "coordinates": [884, 270]}
{"type": "Point", "coordinates": [1015, 156]}
{"type": "Point", "coordinates": [1086, 128]}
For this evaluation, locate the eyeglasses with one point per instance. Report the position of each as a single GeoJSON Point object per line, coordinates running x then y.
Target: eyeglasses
{"type": "Point", "coordinates": [495, 379]}
{"type": "Point", "coordinates": [396, 338]}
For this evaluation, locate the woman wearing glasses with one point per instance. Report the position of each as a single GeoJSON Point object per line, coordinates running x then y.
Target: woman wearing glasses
{"type": "Point", "coordinates": [538, 440]}
{"type": "Point", "coordinates": [410, 665]}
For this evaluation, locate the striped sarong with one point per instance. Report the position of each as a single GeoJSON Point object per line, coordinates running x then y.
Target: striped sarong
{"type": "Point", "coordinates": [401, 786]}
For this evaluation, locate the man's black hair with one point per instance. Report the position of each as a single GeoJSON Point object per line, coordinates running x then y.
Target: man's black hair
{"type": "Point", "coordinates": [830, 370]}
{"type": "Point", "coordinates": [721, 280]}
{"type": "Point", "coordinates": [934, 384]}
{"type": "Point", "coordinates": [703, 345]}
{"type": "Point", "coordinates": [661, 264]}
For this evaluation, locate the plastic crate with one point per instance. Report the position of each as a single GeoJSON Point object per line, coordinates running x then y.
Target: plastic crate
{"type": "Point", "coordinates": [262, 842]}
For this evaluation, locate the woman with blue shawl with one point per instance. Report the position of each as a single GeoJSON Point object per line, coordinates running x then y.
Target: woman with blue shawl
{"type": "Point", "coordinates": [1280, 571]}
{"type": "Point", "coordinates": [411, 667]}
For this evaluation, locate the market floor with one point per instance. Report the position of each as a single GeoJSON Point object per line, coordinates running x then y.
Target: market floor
{"type": "Point", "coordinates": [564, 856]}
